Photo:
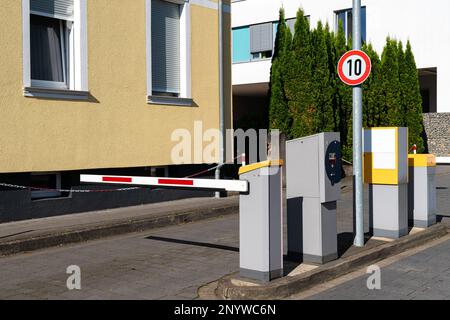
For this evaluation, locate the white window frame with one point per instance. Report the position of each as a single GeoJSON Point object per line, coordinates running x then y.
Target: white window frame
{"type": "Point", "coordinates": [185, 56]}
{"type": "Point", "coordinates": [76, 42]}
{"type": "Point", "coordinates": [47, 194]}
{"type": "Point", "coordinates": [66, 43]}
{"type": "Point", "coordinates": [258, 56]}
{"type": "Point", "coordinates": [336, 21]}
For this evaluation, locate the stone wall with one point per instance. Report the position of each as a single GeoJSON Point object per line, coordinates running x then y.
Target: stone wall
{"type": "Point", "coordinates": [437, 133]}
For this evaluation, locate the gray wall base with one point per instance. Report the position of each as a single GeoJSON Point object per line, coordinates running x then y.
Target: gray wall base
{"type": "Point", "coordinates": [299, 257]}
{"type": "Point", "coordinates": [261, 275]}
{"type": "Point", "coordinates": [425, 223]}
{"type": "Point", "coordinates": [319, 259]}
{"type": "Point", "coordinates": [17, 205]}
{"type": "Point", "coordinates": [394, 234]}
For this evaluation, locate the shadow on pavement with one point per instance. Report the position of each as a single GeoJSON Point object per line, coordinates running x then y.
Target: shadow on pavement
{"type": "Point", "coordinates": [194, 243]}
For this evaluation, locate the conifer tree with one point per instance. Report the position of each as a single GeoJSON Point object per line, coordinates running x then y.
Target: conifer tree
{"type": "Point", "coordinates": [307, 97]}
{"type": "Point", "coordinates": [299, 90]}
{"type": "Point", "coordinates": [372, 90]}
{"type": "Point", "coordinates": [412, 100]}
{"type": "Point", "coordinates": [402, 84]}
{"type": "Point", "coordinates": [332, 70]}
{"type": "Point", "coordinates": [390, 114]}
{"type": "Point", "coordinates": [344, 98]}
{"type": "Point", "coordinates": [279, 116]}
{"type": "Point", "coordinates": [322, 86]}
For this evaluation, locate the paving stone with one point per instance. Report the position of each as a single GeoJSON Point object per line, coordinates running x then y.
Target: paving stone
{"type": "Point", "coordinates": [403, 280]}
{"type": "Point", "coordinates": [127, 268]}
{"type": "Point", "coordinates": [138, 267]}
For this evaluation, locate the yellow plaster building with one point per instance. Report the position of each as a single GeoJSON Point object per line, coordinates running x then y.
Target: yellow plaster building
{"type": "Point", "coordinates": [102, 84]}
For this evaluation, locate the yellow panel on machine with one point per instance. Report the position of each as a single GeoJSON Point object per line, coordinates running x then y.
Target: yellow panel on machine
{"type": "Point", "coordinates": [258, 165]}
{"type": "Point", "coordinates": [378, 176]}
{"type": "Point", "coordinates": [422, 160]}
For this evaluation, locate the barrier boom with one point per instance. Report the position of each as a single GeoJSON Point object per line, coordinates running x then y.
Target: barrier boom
{"type": "Point", "coordinates": [200, 184]}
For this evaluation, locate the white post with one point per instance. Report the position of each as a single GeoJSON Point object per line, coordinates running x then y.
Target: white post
{"type": "Point", "coordinates": [221, 104]}
{"type": "Point", "coordinates": [243, 160]}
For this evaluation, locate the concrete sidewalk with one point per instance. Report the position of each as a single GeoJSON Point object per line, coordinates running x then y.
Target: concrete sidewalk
{"type": "Point", "coordinates": [29, 235]}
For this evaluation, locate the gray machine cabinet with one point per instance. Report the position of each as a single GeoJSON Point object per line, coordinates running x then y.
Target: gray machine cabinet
{"type": "Point", "coordinates": [260, 225]}
{"type": "Point", "coordinates": [308, 159]}
{"type": "Point", "coordinates": [313, 174]}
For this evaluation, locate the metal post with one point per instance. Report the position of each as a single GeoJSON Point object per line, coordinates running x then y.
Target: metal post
{"type": "Point", "coordinates": [221, 104]}
{"type": "Point", "coordinates": [357, 136]}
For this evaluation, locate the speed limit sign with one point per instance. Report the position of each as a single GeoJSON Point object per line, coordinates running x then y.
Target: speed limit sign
{"type": "Point", "coordinates": [354, 67]}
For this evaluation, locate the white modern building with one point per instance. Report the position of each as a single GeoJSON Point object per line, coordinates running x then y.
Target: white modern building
{"type": "Point", "coordinates": [424, 23]}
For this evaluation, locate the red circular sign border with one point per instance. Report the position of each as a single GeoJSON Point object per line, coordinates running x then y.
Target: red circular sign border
{"type": "Point", "coordinates": [366, 74]}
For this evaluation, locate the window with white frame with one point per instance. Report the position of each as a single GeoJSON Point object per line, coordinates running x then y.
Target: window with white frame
{"type": "Point", "coordinates": [55, 45]}
{"type": "Point", "coordinates": [168, 51]}
{"type": "Point", "coordinates": [46, 186]}
{"type": "Point", "coordinates": [346, 18]}
{"type": "Point", "coordinates": [165, 48]}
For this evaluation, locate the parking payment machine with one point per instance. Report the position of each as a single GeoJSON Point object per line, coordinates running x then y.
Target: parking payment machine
{"type": "Point", "coordinates": [313, 175]}
{"type": "Point", "coordinates": [386, 172]}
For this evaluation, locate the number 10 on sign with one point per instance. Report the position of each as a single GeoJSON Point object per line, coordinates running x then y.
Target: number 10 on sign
{"type": "Point", "coordinates": [354, 67]}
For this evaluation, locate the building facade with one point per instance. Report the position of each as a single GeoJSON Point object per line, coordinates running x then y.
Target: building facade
{"type": "Point", "coordinates": [424, 24]}
{"type": "Point", "coordinates": [101, 85]}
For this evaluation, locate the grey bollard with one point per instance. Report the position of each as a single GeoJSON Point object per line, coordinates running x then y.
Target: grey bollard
{"type": "Point", "coordinates": [313, 174]}
{"type": "Point", "coordinates": [260, 222]}
{"type": "Point", "coordinates": [422, 190]}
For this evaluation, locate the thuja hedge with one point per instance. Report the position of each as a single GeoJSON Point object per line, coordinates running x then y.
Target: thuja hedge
{"type": "Point", "coordinates": [307, 97]}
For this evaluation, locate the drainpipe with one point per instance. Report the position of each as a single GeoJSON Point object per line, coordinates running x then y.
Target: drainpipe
{"type": "Point", "coordinates": [221, 104]}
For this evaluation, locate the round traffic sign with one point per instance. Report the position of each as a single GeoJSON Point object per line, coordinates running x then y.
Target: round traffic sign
{"type": "Point", "coordinates": [354, 67]}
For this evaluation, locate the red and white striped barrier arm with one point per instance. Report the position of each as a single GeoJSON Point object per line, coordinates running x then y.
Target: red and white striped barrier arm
{"type": "Point", "coordinates": [201, 184]}
{"type": "Point", "coordinates": [413, 149]}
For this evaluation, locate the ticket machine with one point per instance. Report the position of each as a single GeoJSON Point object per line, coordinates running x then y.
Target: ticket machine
{"type": "Point", "coordinates": [386, 172]}
{"type": "Point", "coordinates": [313, 175]}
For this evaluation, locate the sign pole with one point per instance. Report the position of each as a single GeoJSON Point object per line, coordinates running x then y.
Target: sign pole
{"type": "Point", "coordinates": [358, 204]}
